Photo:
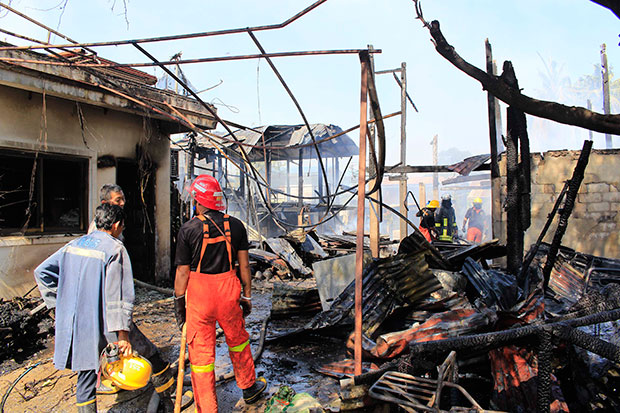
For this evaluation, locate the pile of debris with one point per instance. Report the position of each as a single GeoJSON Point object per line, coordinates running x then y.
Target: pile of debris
{"type": "Point", "coordinates": [442, 318]}
{"type": "Point", "coordinates": [294, 254]}
{"type": "Point", "coordinates": [20, 332]}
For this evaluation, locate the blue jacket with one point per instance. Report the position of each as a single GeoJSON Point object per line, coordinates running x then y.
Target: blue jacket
{"type": "Point", "coordinates": [90, 283]}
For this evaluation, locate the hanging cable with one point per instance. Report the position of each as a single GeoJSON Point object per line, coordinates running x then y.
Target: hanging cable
{"type": "Point", "coordinates": [301, 112]}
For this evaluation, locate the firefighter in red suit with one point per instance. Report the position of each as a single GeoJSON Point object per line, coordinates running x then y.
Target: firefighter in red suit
{"type": "Point", "coordinates": [427, 220]}
{"type": "Point", "coordinates": [477, 222]}
{"type": "Point", "coordinates": [207, 289]}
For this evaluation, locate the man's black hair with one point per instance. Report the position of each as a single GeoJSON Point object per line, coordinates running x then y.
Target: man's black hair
{"type": "Point", "coordinates": [107, 215]}
{"type": "Point", "coordinates": [106, 190]}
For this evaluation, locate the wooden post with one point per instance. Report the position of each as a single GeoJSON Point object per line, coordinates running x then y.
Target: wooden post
{"type": "Point", "coordinates": [361, 191]}
{"type": "Point", "coordinates": [402, 183]}
{"type": "Point", "coordinates": [288, 180]}
{"type": "Point", "coordinates": [268, 175]}
{"type": "Point", "coordinates": [491, 111]}
{"type": "Point", "coordinates": [190, 171]}
{"type": "Point", "coordinates": [336, 172]}
{"type": "Point", "coordinates": [300, 182]}
{"type": "Point", "coordinates": [514, 239]}
{"type": "Point", "coordinates": [497, 227]}
{"type": "Point", "coordinates": [435, 143]}
{"type": "Point", "coordinates": [422, 195]}
{"type": "Point", "coordinates": [517, 190]}
{"type": "Point", "coordinates": [374, 207]}
{"type": "Point", "coordinates": [606, 106]}
{"type": "Point", "coordinates": [245, 190]}
{"type": "Point", "coordinates": [498, 120]}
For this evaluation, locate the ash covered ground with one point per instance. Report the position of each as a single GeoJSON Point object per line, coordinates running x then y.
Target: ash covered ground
{"type": "Point", "coordinates": [45, 389]}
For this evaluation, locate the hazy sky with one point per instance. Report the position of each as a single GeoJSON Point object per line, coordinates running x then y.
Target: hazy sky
{"type": "Point", "coordinates": [452, 105]}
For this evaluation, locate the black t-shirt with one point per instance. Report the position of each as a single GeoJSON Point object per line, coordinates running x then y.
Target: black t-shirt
{"type": "Point", "coordinates": [476, 218]}
{"type": "Point", "coordinates": [215, 260]}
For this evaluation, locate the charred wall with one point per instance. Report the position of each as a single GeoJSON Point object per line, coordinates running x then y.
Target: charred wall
{"type": "Point", "coordinates": [594, 225]}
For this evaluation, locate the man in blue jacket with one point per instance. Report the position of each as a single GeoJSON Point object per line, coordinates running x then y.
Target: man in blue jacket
{"type": "Point", "coordinates": [162, 378]}
{"type": "Point", "coordinates": [89, 282]}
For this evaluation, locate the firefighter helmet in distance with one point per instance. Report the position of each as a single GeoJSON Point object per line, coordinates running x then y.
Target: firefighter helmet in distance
{"type": "Point", "coordinates": [206, 190]}
{"type": "Point", "coordinates": [127, 373]}
{"type": "Point", "coordinates": [434, 204]}
{"type": "Point", "coordinates": [446, 197]}
{"type": "Point", "coordinates": [477, 201]}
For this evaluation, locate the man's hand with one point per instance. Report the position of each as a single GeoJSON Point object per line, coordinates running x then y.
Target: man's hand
{"type": "Point", "coordinates": [246, 306]}
{"type": "Point", "coordinates": [179, 310]}
{"type": "Point", "coordinates": [124, 346]}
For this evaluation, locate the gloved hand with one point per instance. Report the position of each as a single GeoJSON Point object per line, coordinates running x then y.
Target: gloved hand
{"type": "Point", "coordinates": [246, 306]}
{"type": "Point", "coordinates": [179, 310]}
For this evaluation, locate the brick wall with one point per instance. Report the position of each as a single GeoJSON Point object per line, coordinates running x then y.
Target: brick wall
{"type": "Point", "coordinates": [595, 222]}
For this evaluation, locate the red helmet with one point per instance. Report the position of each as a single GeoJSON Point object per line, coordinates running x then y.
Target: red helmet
{"type": "Point", "coordinates": [207, 192]}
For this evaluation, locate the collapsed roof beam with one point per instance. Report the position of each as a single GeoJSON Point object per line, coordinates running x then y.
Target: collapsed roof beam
{"type": "Point", "coordinates": [163, 38]}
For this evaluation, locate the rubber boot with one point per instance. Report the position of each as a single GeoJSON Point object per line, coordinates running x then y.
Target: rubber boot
{"type": "Point", "coordinates": [253, 394]}
{"type": "Point", "coordinates": [89, 408]}
{"type": "Point", "coordinates": [107, 387]}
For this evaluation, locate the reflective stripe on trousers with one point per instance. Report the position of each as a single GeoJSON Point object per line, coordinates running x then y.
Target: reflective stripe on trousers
{"type": "Point", "coordinates": [443, 236]}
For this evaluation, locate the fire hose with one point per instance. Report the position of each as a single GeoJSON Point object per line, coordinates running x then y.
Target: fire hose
{"type": "Point", "coordinates": [6, 395]}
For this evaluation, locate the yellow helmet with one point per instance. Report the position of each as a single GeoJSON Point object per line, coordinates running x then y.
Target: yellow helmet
{"type": "Point", "coordinates": [128, 373]}
{"type": "Point", "coordinates": [433, 204]}
{"type": "Point", "coordinates": [477, 201]}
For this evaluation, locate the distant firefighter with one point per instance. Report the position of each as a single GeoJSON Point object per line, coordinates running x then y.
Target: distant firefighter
{"type": "Point", "coordinates": [445, 220]}
{"type": "Point", "coordinates": [427, 220]}
{"type": "Point", "coordinates": [477, 221]}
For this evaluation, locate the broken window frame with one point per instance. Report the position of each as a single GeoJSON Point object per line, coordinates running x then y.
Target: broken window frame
{"type": "Point", "coordinates": [58, 179]}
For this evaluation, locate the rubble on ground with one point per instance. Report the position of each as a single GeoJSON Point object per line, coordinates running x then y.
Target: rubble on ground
{"type": "Point", "coordinates": [448, 295]}
{"type": "Point", "coordinates": [437, 318]}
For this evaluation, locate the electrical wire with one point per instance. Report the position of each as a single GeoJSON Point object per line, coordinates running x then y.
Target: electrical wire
{"type": "Point", "coordinates": [255, 174]}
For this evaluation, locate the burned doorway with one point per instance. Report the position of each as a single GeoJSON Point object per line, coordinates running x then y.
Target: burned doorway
{"type": "Point", "coordinates": [140, 209]}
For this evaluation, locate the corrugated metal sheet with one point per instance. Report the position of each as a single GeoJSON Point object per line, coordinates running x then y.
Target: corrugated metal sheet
{"type": "Point", "coordinates": [282, 137]}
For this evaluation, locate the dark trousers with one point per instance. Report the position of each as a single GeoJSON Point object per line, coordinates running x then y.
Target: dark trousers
{"type": "Point", "coordinates": [145, 348]}
{"type": "Point", "coordinates": [86, 387]}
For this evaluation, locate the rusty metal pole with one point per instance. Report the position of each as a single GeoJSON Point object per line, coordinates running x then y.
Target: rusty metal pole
{"type": "Point", "coordinates": [374, 211]}
{"type": "Point", "coordinates": [361, 191]}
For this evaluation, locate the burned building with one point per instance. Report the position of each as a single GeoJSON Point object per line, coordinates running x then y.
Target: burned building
{"type": "Point", "coordinates": [64, 132]}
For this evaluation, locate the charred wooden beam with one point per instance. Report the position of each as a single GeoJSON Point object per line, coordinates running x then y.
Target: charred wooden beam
{"type": "Point", "coordinates": [571, 195]}
{"type": "Point", "coordinates": [514, 233]}
{"type": "Point", "coordinates": [569, 115]}
{"type": "Point", "coordinates": [497, 339]}
{"type": "Point", "coordinates": [544, 369]}
{"type": "Point", "coordinates": [532, 253]}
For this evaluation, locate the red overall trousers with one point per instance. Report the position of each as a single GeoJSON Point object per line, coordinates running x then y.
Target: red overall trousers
{"type": "Point", "coordinates": [211, 298]}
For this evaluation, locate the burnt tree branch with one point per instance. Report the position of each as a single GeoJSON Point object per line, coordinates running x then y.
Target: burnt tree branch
{"type": "Point", "coordinates": [613, 5]}
{"type": "Point", "coordinates": [498, 87]}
